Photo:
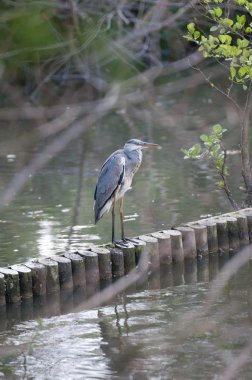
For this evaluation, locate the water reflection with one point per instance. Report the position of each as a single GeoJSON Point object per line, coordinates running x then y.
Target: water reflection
{"type": "Point", "coordinates": [139, 334]}
{"type": "Point", "coordinates": [166, 191]}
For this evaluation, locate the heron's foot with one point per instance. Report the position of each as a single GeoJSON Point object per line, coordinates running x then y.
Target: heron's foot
{"type": "Point", "coordinates": [122, 242]}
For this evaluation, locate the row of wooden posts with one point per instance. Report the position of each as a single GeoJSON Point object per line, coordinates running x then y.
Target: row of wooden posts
{"type": "Point", "coordinates": [101, 264]}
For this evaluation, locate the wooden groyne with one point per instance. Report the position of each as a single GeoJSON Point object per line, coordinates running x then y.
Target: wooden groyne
{"type": "Point", "coordinates": [191, 248]}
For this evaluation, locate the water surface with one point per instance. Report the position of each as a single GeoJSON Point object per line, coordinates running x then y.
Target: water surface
{"type": "Point", "coordinates": [54, 211]}
{"type": "Point", "coordinates": [145, 333]}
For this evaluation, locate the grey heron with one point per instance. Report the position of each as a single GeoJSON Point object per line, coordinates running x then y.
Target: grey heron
{"type": "Point", "coordinates": [115, 179]}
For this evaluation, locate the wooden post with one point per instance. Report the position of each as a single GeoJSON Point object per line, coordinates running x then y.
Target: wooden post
{"type": "Point", "coordinates": [27, 309]}
{"type": "Point", "coordinates": [164, 247]}
{"type": "Point", "coordinates": [104, 260]}
{"type": "Point", "coordinates": [201, 239]}
{"type": "Point", "coordinates": [234, 242]}
{"type": "Point", "coordinates": [166, 275]}
{"type": "Point", "coordinates": [65, 272]}
{"type": "Point", "coordinates": [2, 291]}
{"type": "Point", "coordinates": [92, 271]}
{"type": "Point", "coordinates": [189, 242]}
{"type": "Point", "coordinates": [242, 229]}
{"type": "Point", "coordinates": [117, 260]}
{"type": "Point", "coordinates": [178, 273]}
{"type": "Point", "coordinates": [52, 275]}
{"type": "Point", "coordinates": [152, 250]}
{"type": "Point", "coordinates": [140, 252]}
{"type": "Point", "coordinates": [203, 269]}
{"type": "Point", "coordinates": [38, 272]}
{"type": "Point", "coordinates": [128, 250]}
{"type": "Point", "coordinates": [78, 269]}
{"type": "Point", "coordinates": [177, 246]}
{"type": "Point", "coordinates": [248, 214]}
{"type": "Point", "coordinates": [190, 271]}
{"type": "Point", "coordinates": [52, 304]}
{"type": "Point", "coordinates": [25, 280]}
{"type": "Point", "coordinates": [212, 239]}
{"type": "Point", "coordinates": [222, 233]}
{"type": "Point", "coordinates": [213, 266]}
{"type": "Point", "coordinates": [12, 287]}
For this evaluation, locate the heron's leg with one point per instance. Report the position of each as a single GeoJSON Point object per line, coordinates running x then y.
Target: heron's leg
{"type": "Point", "coordinates": [121, 219]}
{"type": "Point", "coordinates": [113, 220]}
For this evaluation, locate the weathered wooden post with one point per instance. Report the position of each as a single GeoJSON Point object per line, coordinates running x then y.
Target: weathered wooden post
{"type": "Point", "coordinates": [201, 239]}
{"type": "Point", "coordinates": [140, 252]}
{"type": "Point", "coordinates": [189, 242]}
{"type": "Point", "coordinates": [213, 266]}
{"type": "Point", "coordinates": [104, 261]}
{"type": "Point", "coordinates": [52, 275]}
{"type": "Point", "coordinates": [212, 238]}
{"type": "Point", "coordinates": [78, 270]}
{"type": "Point", "coordinates": [152, 250]}
{"type": "Point", "coordinates": [65, 272]}
{"type": "Point", "coordinates": [142, 261]}
{"type": "Point", "coordinates": [164, 247]}
{"type": "Point", "coordinates": [2, 291]}
{"type": "Point", "coordinates": [129, 257]}
{"type": "Point", "coordinates": [117, 259]}
{"type": "Point", "coordinates": [248, 214]}
{"type": "Point", "coordinates": [12, 287]}
{"type": "Point", "coordinates": [176, 244]}
{"type": "Point", "coordinates": [38, 272]}
{"type": "Point", "coordinates": [92, 271]}
{"type": "Point", "coordinates": [233, 235]}
{"type": "Point", "coordinates": [190, 271]}
{"type": "Point", "coordinates": [242, 229]}
{"type": "Point", "coordinates": [203, 269]}
{"type": "Point", "coordinates": [222, 234]}
{"type": "Point", "coordinates": [25, 280]}
{"type": "Point", "coordinates": [52, 304]}
{"type": "Point", "coordinates": [178, 273]}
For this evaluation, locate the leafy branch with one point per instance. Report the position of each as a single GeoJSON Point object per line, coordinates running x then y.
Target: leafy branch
{"type": "Point", "coordinates": [214, 151]}
{"type": "Point", "coordinates": [228, 39]}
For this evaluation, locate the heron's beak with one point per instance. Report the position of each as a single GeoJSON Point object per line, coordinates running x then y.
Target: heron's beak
{"type": "Point", "coordinates": [147, 145]}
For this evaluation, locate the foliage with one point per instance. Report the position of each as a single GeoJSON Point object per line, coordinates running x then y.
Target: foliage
{"type": "Point", "coordinates": [76, 41]}
{"type": "Point", "coordinates": [212, 150]}
{"type": "Point", "coordinates": [228, 37]}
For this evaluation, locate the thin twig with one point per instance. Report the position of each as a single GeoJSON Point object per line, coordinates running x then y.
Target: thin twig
{"type": "Point", "coordinates": [224, 179]}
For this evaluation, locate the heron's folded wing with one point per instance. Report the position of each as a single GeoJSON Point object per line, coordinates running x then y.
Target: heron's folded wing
{"type": "Point", "coordinates": [110, 178]}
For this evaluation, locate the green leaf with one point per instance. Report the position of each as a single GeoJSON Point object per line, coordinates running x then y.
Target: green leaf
{"type": "Point", "coordinates": [192, 152]}
{"type": "Point", "coordinates": [213, 28]}
{"type": "Point", "coordinates": [232, 72]}
{"type": "Point", "coordinates": [217, 129]}
{"type": "Point", "coordinates": [242, 43]}
{"type": "Point", "coordinates": [191, 27]}
{"type": "Point", "coordinates": [196, 34]}
{"type": "Point", "coordinates": [217, 12]}
{"type": "Point", "coordinates": [241, 19]}
{"type": "Point", "coordinates": [225, 38]}
{"type": "Point", "coordinates": [227, 22]}
{"type": "Point", "coordinates": [204, 138]}
{"type": "Point", "coordinates": [243, 71]}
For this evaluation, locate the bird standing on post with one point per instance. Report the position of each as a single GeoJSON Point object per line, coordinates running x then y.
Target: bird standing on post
{"type": "Point", "coordinates": [115, 179]}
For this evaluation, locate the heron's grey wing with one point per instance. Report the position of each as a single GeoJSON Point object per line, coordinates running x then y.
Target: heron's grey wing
{"type": "Point", "coordinates": [110, 178]}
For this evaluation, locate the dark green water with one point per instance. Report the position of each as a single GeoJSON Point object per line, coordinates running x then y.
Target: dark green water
{"type": "Point", "coordinates": [147, 333]}
{"type": "Point", "coordinates": [55, 208]}
{"type": "Point", "coordinates": [141, 334]}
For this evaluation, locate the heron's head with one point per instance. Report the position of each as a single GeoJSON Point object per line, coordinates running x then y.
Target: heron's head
{"type": "Point", "coordinates": [135, 144]}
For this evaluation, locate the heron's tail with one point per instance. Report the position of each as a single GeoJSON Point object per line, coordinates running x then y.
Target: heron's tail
{"type": "Point", "coordinates": [97, 215]}
{"type": "Point", "coordinates": [100, 211]}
